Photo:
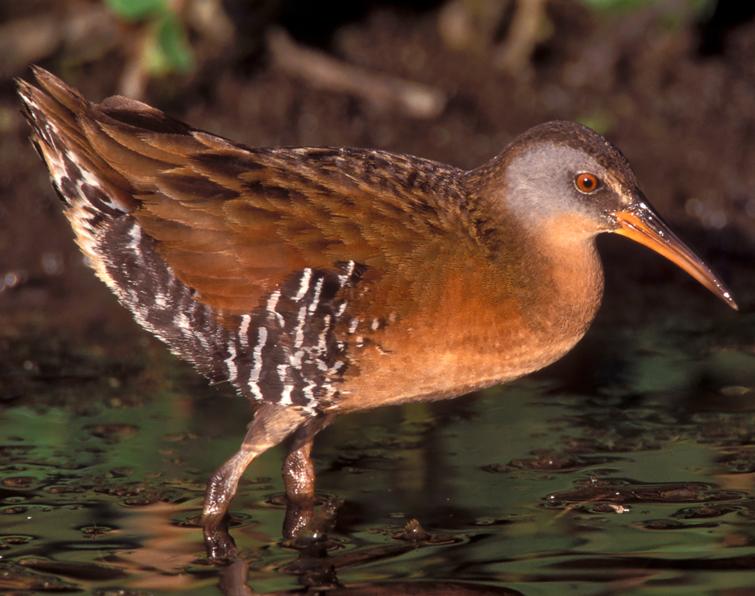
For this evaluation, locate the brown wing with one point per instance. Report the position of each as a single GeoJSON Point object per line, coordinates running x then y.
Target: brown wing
{"type": "Point", "coordinates": [234, 222]}
{"type": "Point", "coordinates": [214, 245]}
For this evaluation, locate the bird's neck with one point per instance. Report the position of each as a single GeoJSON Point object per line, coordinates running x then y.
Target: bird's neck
{"type": "Point", "coordinates": [545, 263]}
{"type": "Point", "coordinates": [571, 265]}
{"type": "Point", "coordinates": [537, 293]}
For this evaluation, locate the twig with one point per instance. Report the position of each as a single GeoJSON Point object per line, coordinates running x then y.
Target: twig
{"type": "Point", "coordinates": [514, 54]}
{"type": "Point", "coordinates": [471, 25]}
{"type": "Point", "coordinates": [382, 91]}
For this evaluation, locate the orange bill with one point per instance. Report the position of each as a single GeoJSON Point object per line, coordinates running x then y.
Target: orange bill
{"type": "Point", "coordinates": [644, 226]}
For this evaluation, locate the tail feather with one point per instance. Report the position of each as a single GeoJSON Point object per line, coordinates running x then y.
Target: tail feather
{"type": "Point", "coordinates": [66, 96]}
{"type": "Point", "coordinates": [58, 115]}
{"type": "Point", "coordinates": [104, 167]}
{"type": "Point", "coordinates": [94, 193]}
{"type": "Point", "coordinates": [125, 143]}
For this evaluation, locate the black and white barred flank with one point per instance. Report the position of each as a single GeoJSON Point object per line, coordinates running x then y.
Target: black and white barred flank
{"type": "Point", "coordinates": [283, 352]}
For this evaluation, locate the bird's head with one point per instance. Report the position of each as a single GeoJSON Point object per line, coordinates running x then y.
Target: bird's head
{"type": "Point", "coordinates": [566, 173]}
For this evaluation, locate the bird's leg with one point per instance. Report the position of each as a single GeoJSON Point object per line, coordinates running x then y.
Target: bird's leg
{"type": "Point", "coordinates": [270, 425]}
{"type": "Point", "coordinates": [299, 478]}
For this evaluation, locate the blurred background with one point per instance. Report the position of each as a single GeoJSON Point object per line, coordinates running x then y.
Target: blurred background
{"type": "Point", "coordinates": [105, 440]}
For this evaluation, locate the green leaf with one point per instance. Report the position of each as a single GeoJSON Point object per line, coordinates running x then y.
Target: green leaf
{"type": "Point", "coordinates": [695, 8]}
{"type": "Point", "coordinates": [168, 50]}
{"type": "Point", "coordinates": [615, 4]}
{"type": "Point", "coordinates": [137, 10]}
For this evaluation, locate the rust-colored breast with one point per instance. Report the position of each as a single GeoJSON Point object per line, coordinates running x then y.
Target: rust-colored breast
{"type": "Point", "coordinates": [480, 323]}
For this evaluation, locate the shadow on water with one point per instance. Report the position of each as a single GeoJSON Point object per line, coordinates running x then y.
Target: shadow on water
{"type": "Point", "coordinates": [629, 466]}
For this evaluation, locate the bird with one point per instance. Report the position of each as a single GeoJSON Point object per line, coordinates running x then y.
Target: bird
{"type": "Point", "coordinates": [319, 281]}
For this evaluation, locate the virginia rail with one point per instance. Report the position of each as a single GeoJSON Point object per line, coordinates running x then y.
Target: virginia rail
{"type": "Point", "coordinates": [324, 280]}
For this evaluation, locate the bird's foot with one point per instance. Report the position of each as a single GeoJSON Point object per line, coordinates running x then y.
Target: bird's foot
{"type": "Point", "coordinates": [307, 523]}
{"type": "Point", "coordinates": [220, 546]}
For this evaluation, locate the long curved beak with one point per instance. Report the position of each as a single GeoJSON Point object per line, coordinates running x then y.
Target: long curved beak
{"type": "Point", "coordinates": [642, 225]}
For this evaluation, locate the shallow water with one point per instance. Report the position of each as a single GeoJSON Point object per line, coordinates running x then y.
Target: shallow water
{"type": "Point", "coordinates": [628, 467]}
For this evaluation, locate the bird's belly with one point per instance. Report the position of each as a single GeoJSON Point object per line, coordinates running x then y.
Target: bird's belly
{"type": "Point", "coordinates": [406, 371]}
{"type": "Point", "coordinates": [486, 342]}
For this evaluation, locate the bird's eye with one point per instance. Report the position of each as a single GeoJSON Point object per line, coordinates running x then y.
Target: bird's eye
{"type": "Point", "coordinates": [586, 182]}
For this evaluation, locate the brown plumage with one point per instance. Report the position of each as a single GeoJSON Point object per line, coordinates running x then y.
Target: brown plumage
{"type": "Point", "coordinates": [320, 280]}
